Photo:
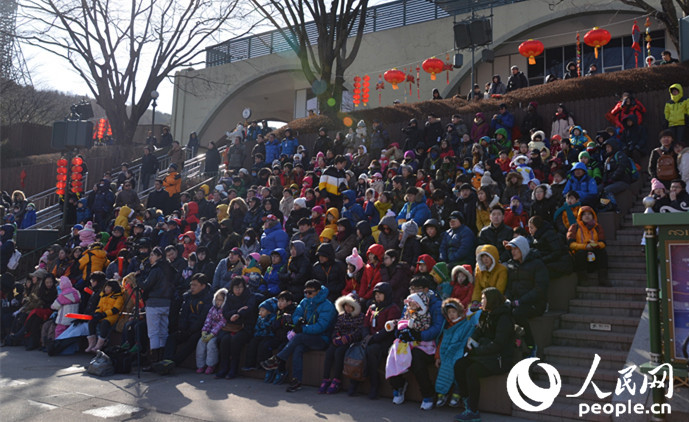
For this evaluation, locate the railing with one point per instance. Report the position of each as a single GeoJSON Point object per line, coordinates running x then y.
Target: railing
{"type": "Point", "coordinates": [378, 18]}
{"type": "Point", "coordinates": [51, 217]}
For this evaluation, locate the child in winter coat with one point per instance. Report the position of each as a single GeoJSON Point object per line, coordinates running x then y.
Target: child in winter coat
{"type": "Point", "coordinates": [253, 272]}
{"type": "Point", "coordinates": [489, 273]}
{"type": "Point", "coordinates": [463, 284]}
{"type": "Point", "coordinates": [282, 325]}
{"type": "Point", "coordinates": [189, 242]}
{"type": "Point", "coordinates": [521, 166]}
{"type": "Point", "coordinates": [67, 302]}
{"type": "Point", "coordinates": [83, 211]}
{"type": "Point", "coordinates": [347, 331]}
{"type": "Point", "coordinates": [417, 318]}
{"type": "Point", "coordinates": [317, 219]}
{"type": "Point", "coordinates": [106, 315]}
{"type": "Point", "coordinates": [355, 265]}
{"type": "Point", "coordinates": [207, 347]}
{"type": "Point", "coordinates": [457, 331]}
{"type": "Point", "coordinates": [278, 259]}
{"type": "Point", "coordinates": [262, 344]}
{"type": "Point", "coordinates": [123, 219]}
{"type": "Point", "coordinates": [87, 235]}
{"type": "Point", "coordinates": [515, 215]}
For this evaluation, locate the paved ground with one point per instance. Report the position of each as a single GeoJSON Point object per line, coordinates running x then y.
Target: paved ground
{"type": "Point", "coordinates": [35, 387]}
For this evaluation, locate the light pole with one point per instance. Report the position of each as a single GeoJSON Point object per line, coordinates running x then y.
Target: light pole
{"type": "Point", "coordinates": [154, 95]}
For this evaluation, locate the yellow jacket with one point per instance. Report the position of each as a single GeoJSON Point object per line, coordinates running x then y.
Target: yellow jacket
{"type": "Point", "coordinates": [122, 219]}
{"type": "Point", "coordinates": [221, 211]}
{"type": "Point", "coordinates": [108, 303]}
{"type": "Point", "coordinates": [97, 258]}
{"type": "Point", "coordinates": [495, 276]}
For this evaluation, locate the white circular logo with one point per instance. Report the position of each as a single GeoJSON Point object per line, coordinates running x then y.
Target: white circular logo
{"type": "Point", "coordinates": [520, 386]}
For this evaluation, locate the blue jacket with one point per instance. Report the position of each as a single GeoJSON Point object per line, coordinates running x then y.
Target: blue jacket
{"type": "Point", "coordinates": [83, 213]}
{"type": "Point", "coordinates": [103, 200]}
{"type": "Point", "coordinates": [371, 213]}
{"type": "Point", "coordinates": [263, 327]}
{"type": "Point", "coordinates": [504, 120]}
{"type": "Point", "coordinates": [586, 186]}
{"type": "Point", "coordinates": [320, 314]}
{"type": "Point", "coordinates": [458, 246]}
{"type": "Point", "coordinates": [437, 318]}
{"type": "Point", "coordinates": [29, 219]}
{"type": "Point", "coordinates": [272, 280]}
{"type": "Point", "coordinates": [272, 151]}
{"type": "Point", "coordinates": [419, 212]}
{"type": "Point", "coordinates": [352, 209]}
{"type": "Point", "coordinates": [289, 146]}
{"type": "Point", "coordinates": [273, 238]}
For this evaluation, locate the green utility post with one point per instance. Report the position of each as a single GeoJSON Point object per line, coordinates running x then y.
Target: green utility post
{"type": "Point", "coordinates": [667, 283]}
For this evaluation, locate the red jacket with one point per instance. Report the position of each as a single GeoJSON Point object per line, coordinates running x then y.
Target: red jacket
{"type": "Point", "coordinates": [463, 293]}
{"type": "Point", "coordinates": [516, 220]}
{"type": "Point", "coordinates": [371, 275]}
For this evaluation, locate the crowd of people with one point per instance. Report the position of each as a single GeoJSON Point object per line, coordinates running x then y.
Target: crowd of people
{"type": "Point", "coordinates": [424, 248]}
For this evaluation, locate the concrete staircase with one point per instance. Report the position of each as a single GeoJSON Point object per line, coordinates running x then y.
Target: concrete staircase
{"type": "Point", "coordinates": [575, 343]}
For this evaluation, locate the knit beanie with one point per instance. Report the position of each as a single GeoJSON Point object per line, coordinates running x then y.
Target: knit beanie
{"type": "Point", "coordinates": [409, 229]}
{"type": "Point", "coordinates": [355, 260]}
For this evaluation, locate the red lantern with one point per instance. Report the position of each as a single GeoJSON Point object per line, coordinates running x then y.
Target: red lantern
{"type": "Point", "coordinates": [77, 161]}
{"type": "Point", "coordinates": [394, 77]}
{"type": "Point", "coordinates": [365, 90]}
{"type": "Point", "coordinates": [61, 162]}
{"type": "Point", "coordinates": [597, 38]}
{"type": "Point", "coordinates": [356, 97]}
{"type": "Point", "coordinates": [531, 49]}
{"type": "Point", "coordinates": [433, 66]}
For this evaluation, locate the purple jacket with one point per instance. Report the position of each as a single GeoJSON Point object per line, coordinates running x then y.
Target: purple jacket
{"type": "Point", "coordinates": [215, 319]}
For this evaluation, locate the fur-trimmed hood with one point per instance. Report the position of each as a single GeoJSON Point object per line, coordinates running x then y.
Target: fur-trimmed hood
{"type": "Point", "coordinates": [218, 293]}
{"type": "Point", "coordinates": [451, 302]}
{"type": "Point", "coordinates": [348, 300]}
{"type": "Point", "coordinates": [466, 269]}
{"type": "Point", "coordinates": [548, 191]}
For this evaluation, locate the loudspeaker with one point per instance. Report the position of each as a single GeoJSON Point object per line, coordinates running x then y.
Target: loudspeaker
{"type": "Point", "coordinates": [462, 35]}
{"type": "Point", "coordinates": [458, 61]}
{"type": "Point", "coordinates": [481, 32]}
{"type": "Point", "coordinates": [488, 56]}
{"type": "Point", "coordinates": [72, 134]}
{"type": "Point", "coordinates": [30, 239]}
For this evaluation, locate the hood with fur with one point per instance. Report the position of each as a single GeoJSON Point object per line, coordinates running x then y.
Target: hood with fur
{"type": "Point", "coordinates": [348, 300]}
{"type": "Point", "coordinates": [466, 269]}
{"type": "Point", "coordinates": [222, 291]}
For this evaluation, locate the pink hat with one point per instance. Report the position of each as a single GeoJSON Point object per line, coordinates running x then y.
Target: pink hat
{"type": "Point", "coordinates": [355, 260]}
{"type": "Point", "coordinates": [255, 255]}
{"type": "Point", "coordinates": [377, 175]}
{"type": "Point", "coordinates": [656, 184]}
{"type": "Point", "coordinates": [318, 209]}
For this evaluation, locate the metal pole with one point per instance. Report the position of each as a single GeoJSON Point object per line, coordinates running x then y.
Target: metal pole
{"type": "Point", "coordinates": [653, 305]}
{"type": "Point", "coordinates": [472, 68]}
{"type": "Point", "coordinates": [153, 119]}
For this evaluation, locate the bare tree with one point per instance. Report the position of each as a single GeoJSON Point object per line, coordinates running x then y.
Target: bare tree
{"type": "Point", "coordinates": [124, 50]}
{"type": "Point", "coordinates": [667, 14]}
{"type": "Point", "coordinates": [26, 104]}
{"type": "Point", "coordinates": [324, 62]}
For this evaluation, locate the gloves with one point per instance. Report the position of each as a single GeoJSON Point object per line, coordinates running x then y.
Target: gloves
{"type": "Point", "coordinates": [99, 315]}
{"type": "Point", "coordinates": [341, 340]}
{"type": "Point", "coordinates": [409, 335]}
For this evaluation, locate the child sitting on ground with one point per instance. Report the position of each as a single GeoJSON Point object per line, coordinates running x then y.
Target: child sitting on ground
{"type": "Point", "coordinates": [347, 331]}
{"type": "Point", "coordinates": [207, 348]}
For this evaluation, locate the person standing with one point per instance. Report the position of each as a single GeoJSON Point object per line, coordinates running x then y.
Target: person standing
{"type": "Point", "coordinates": [212, 160]}
{"type": "Point", "coordinates": [177, 155]}
{"type": "Point", "coordinates": [149, 167]}
{"type": "Point", "coordinates": [516, 80]}
{"type": "Point", "coordinates": [165, 138]}
{"type": "Point", "coordinates": [193, 143]}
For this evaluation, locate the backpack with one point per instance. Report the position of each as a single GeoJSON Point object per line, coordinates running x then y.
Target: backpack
{"type": "Point", "coordinates": [101, 365]}
{"type": "Point", "coordinates": [13, 263]}
{"type": "Point", "coordinates": [121, 359]}
{"type": "Point", "coordinates": [355, 361]}
{"type": "Point", "coordinates": [632, 170]}
{"type": "Point", "coordinates": [666, 168]}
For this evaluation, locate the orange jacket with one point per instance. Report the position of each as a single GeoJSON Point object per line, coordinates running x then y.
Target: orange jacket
{"type": "Point", "coordinates": [173, 183]}
{"type": "Point", "coordinates": [579, 235]}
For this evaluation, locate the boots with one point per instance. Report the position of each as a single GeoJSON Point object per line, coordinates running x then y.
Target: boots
{"type": "Point", "coordinates": [99, 344]}
{"type": "Point", "coordinates": [153, 357]}
{"type": "Point", "coordinates": [92, 344]}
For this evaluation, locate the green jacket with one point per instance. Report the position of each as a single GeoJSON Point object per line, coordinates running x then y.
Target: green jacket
{"type": "Point", "coordinates": [677, 107]}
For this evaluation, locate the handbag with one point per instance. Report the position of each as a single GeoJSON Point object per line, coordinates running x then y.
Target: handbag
{"type": "Point", "coordinates": [101, 365]}
{"type": "Point", "coordinates": [355, 360]}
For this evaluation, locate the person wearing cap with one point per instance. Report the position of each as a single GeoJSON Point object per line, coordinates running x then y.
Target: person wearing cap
{"type": "Point", "coordinates": [299, 212]}
{"type": "Point", "coordinates": [333, 182]}
{"type": "Point", "coordinates": [313, 322]}
{"type": "Point", "coordinates": [415, 207]}
{"type": "Point", "coordinates": [273, 236]}
{"type": "Point", "coordinates": [228, 268]}
{"type": "Point", "coordinates": [527, 286]}
{"type": "Point", "coordinates": [458, 242]}
{"type": "Point", "coordinates": [516, 80]}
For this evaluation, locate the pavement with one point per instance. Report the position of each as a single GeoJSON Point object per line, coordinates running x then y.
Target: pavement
{"type": "Point", "coordinates": [36, 387]}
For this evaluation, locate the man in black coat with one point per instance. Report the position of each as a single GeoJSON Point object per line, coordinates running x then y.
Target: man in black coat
{"type": "Point", "coordinates": [149, 167]}
{"type": "Point", "coordinates": [212, 160]}
{"type": "Point", "coordinates": [195, 306]}
{"type": "Point", "coordinates": [433, 132]}
{"type": "Point", "coordinates": [466, 203]}
{"type": "Point", "coordinates": [328, 271]}
{"type": "Point", "coordinates": [516, 80]}
{"type": "Point", "coordinates": [497, 232]}
{"type": "Point", "coordinates": [159, 197]}
{"type": "Point", "coordinates": [412, 135]}
{"type": "Point", "coordinates": [323, 143]}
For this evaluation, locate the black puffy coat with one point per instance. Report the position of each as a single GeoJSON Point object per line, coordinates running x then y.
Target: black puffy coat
{"type": "Point", "coordinates": [553, 250]}
{"type": "Point", "coordinates": [490, 235]}
{"type": "Point", "coordinates": [297, 271]}
{"type": "Point", "coordinates": [159, 286]}
{"type": "Point", "coordinates": [527, 282]}
{"type": "Point", "coordinates": [495, 337]}
{"type": "Point", "coordinates": [332, 273]}
{"type": "Point", "coordinates": [194, 310]}
{"type": "Point", "coordinates": [234, 304]}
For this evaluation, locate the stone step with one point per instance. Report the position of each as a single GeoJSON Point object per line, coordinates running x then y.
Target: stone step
{"type": "Point", "coordinates": [612, 293]}
{"type": "Point", "coordinates": [591, 339]}
{"type": "Point", "coordinates": [624, 243]}
{"type": "Point", "coordinates": [583, 356]}
{"type": "Point", "coordinates": [605, 379]}
{"type": "Point", "coordinates": [618, 324]}
{"type": "Point", "coordinates": [624, 264]}
{"type": "Point", "coordinates": [629, 252]}
{"type": "Point", "coordinates": [629, 239]}
{"type": "Point", "coordinates": [606, 307]}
